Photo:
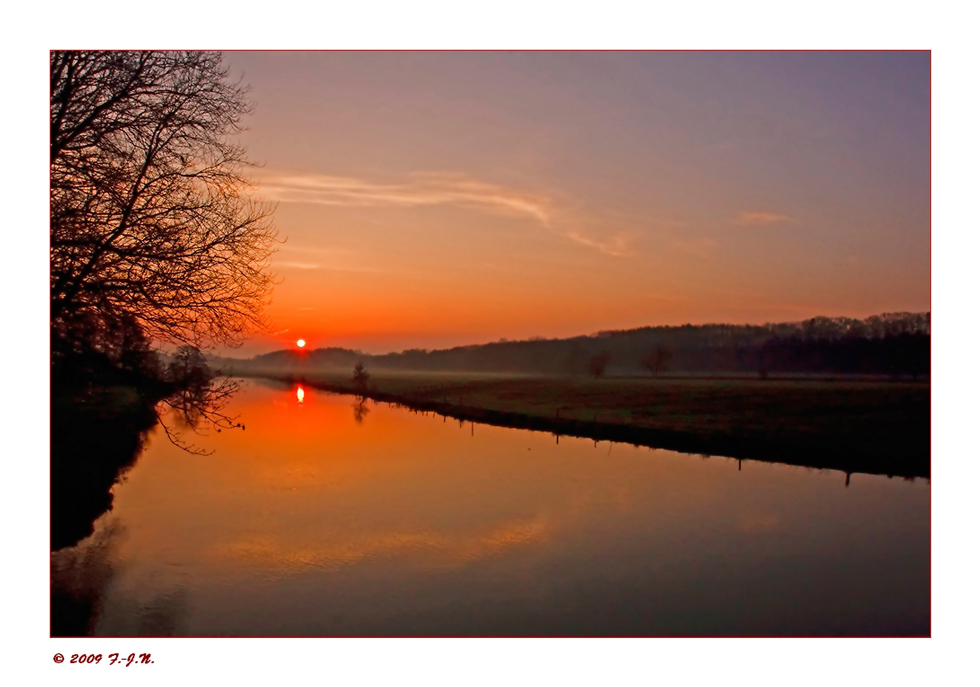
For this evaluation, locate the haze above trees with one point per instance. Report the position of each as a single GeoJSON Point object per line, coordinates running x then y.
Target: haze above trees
{"type": "Point", "coordinates": [892, 344]}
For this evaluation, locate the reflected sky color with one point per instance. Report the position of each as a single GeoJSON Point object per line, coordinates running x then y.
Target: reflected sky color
{"type": "Point", "coordinates": [435, 199]}
{"type": "Point", "coordinates": [320, 521]}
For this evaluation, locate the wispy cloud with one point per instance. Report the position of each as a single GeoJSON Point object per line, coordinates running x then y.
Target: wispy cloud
{"type": "Point", "coordinates": [334, 268]}
{"type": "Point", "coordinates": [762, 218]}
{"type": "Point", "coordinates": [299, 265]}
{"type": "Point", "coordinates": [431, 189]}
{"type": "Point", "coordinates": [289, 246]}
{"type": "Point", "coordinates": [615, 245]}
{"type": "Point", "coordinates": [421, 189]}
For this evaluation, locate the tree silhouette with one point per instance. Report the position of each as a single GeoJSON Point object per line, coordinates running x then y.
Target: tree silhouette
{"type": "Point", "coordinates": [152, 216]}
{"type": "Point", "coordinates": [656, 360]}
{"type": "Point", "coordinates": [361, 378]}
{"type": "Point", "coordinates": [189, 369]}
{"type": "Point", "coordinates": [597, 364]}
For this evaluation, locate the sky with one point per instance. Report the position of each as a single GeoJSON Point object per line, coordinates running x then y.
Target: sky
{"type": "Point", "coordinates": [765, 24]}
{"type": "Point", "coordinates": [433, 199]}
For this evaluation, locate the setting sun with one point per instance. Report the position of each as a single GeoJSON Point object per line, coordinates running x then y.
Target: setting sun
{"type": "Point", "coordinates": [301, 343]}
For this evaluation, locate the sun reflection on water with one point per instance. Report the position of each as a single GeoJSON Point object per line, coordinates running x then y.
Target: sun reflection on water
{"type": "Point", "coordinates": [376, 525]}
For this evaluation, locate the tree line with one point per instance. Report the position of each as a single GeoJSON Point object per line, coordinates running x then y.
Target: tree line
{"type": "Point", "coordinates": [889, 344]}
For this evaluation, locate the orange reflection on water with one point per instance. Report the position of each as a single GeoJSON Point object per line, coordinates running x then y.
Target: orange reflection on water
{"type": "Point", "coordinates": [277, 556]}
{"type": "Point", "coordinates": [347, 518]}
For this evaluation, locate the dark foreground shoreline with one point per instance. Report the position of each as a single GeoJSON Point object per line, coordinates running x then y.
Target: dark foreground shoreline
{"type": "Point", "coordinates": [874, 428]}
{"type": "Point", "coordinates": [95, 439]}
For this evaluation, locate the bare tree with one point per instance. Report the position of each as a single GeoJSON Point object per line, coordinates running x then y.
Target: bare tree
{"type": "Point", "coordinates": [152, 216]}
{"type": "Point", "coordinates": [597, 364]}
{"type": "Point", "coordinates": [656, 360]}
{"type": "Point", "coordinates": [361, 378]}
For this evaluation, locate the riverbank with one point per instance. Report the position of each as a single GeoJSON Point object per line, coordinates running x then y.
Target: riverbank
{"type": "Point", "coordinates": [875, 427]}
{"type": "Point", "coordinates": [96, 434]}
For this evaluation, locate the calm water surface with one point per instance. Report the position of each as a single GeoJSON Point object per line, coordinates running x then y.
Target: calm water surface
{"type": "Point", "coordinates": [326, 517]}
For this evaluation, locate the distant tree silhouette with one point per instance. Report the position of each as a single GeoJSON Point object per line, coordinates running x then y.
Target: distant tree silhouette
{"type": "Point", "coordinates": [189, 368]}
{"type": "Point", "coordinates": [598, 363]}
{"type": "Point", "coordinates": [152, 217]}
{"type": "Point", "coordinates": [764, 359]}
{"type": "Point", "coordinates": [656, 360]}
{"type": "Point", "coordinates": [361, 378]}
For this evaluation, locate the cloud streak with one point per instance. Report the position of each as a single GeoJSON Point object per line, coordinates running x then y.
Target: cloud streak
{"type": "Point", "coordinates": [616, 245]}
{"type": "Point", "coordinates": [761, 219]}
{"type": "Point", "coordinates": [299, 265]}
{"type": "Point", "coordinates": [423, 189]}
{"type": "Point", "coordinates": [330, 268]}
{"type": "Point", "coordinates": [332, 251]}
{"type": "Point", "coordinates": [432, 189]}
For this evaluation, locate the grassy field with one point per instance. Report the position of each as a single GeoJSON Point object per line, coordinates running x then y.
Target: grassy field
{"type": "Point", "coordinates": [880, 427]}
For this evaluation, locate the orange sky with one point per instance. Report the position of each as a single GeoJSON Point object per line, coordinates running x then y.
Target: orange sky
{"type": "Point", "coordinates": [436, 199]}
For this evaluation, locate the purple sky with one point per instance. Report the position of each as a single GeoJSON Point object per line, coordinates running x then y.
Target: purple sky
{"type": "Point", "coordinates": [439, 198]}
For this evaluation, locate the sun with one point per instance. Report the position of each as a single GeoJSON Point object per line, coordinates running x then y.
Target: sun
{"type": "Point", "coordinates": [301, 343]}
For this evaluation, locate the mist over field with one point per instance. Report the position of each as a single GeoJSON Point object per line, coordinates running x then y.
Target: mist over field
{"type": "Point", "coordinates": [893, 344]}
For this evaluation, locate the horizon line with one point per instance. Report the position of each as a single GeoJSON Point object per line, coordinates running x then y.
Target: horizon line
{"type": "Point", "coordinates": [600, 333]}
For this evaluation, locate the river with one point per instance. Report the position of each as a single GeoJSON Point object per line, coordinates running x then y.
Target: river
{"type": "Point", "coordinates": [324, 516]}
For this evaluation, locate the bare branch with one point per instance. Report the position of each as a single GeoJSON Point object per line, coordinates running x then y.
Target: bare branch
{"type": "Point", "coordinates": [152, 214]}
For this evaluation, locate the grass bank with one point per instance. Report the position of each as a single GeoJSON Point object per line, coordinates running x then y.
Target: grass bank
{"type": "Point", "coordinates": [877, 427]}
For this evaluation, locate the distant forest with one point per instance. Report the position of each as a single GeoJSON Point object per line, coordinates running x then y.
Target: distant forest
{"type": "Point", "coordinates": [894, 344]}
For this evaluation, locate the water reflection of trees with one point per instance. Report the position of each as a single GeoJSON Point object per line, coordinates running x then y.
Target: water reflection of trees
{"type": "Point", "coordinates": [79, 578]}
{"type": "Point", "coordinates": [199, 398]}
{"type": "Point", "coordinates": [99, 429]}
{"type": "Point", "coordinates": [361, 409]}
{"type": "Point", "coordinates": [95, 439]}
{"type": "Point", "coordinates": [97, 433]}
